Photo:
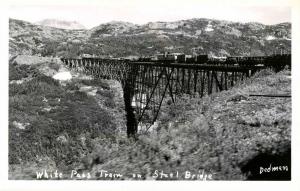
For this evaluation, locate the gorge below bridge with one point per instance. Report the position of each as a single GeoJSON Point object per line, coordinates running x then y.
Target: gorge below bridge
{"type": "Point", "coordinates": [146, 85]}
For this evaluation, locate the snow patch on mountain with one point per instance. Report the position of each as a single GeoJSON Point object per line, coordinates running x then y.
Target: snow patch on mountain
{"type": "Point", "coordinates": [270, 37]}
{"type": "Point", "coordinates": [163, 25]}
{"type": "Point", "coordinates": [62, 76]}
{"type": "Point", "coordinates": [71, 25]}
{"type": "Point", "coordinates": [209, 28]}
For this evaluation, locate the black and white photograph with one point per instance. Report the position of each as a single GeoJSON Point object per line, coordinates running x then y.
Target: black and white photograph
{"type": "Point", "coordinates": [149, 91]}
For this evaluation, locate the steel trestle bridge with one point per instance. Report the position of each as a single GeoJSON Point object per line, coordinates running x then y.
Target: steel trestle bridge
{"type": "Point", "coordinates": [147, 85]}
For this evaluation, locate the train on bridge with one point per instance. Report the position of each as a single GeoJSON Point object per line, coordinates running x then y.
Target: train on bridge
{"type": "Point", "coordinates": [146, 83]}
{"type": "Point", "coordinates": [279, 60]}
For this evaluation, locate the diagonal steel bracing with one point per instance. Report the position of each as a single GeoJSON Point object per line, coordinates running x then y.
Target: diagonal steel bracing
{"type": "Point", "coordinates": [147, 84]}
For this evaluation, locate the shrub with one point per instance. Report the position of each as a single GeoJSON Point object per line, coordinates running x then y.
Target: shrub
{"type": "Point", "coordinates": [208, 133]}
{"type": "Point", "coordinates": [54, 66]}
{"type": "Point", "coordinates": [106, 93]}
{"type": "Point", "coordinates": [75, 114]}
{"type": "Point", "coordinates": [18, 72]}
{"type": "Point", "coordinates": [96, 82]}
{"type": "Point", "coordinates": [110, 103]}
{"type": "Point", "coordinates": [72, 86]}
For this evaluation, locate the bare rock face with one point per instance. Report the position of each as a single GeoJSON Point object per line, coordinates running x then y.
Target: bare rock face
{"type": "Point", "coordinates": [48, 66]}
{"type": "Point", "coordinates": [123, 39]}
{"type": "Point", "coordinates": [33, 60]}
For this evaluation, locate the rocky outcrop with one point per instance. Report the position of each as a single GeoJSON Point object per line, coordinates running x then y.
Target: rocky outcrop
{"type": "Point", "coordinates": [121, 39]}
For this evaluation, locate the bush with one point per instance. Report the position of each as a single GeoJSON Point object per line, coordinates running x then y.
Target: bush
{"type": "Point", "coordinates": [18, 72]}
{"type": "Point", "coordinates": [110, 103]}
{"type": "Point", "coordinates": [96, 82]}
{"type": "Point", "coordinates": [211, 133]}
{"type": "Point", "coordinates": [106, 93]}
{"type": "Point", "coordinates": [54, 66]}
{"type": "Point", "coordinates": [41, 85]}
{"type": "Point", "coordinates": [72, 86]}
{"type": "Point", "coordinates": [75, 115]}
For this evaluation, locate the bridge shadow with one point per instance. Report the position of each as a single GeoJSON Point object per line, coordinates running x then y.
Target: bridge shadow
{"type": "Point", "coordinates": [269, 166]}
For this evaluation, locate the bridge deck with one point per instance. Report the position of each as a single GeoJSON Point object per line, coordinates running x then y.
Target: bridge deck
{"type": "Point", "coordinates": [150, 83]}
{"type": "Point", "coordinates": [220, 67]}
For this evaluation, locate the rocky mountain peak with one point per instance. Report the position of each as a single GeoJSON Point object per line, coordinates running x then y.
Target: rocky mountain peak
{"type": "Point", "coordinates": [71, 25]}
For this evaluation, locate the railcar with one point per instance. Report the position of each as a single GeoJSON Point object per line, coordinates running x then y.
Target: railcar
{"type": "Point", "coordinates": [201, 59]}
{"type": "Point", "coordinates": [278, 61]}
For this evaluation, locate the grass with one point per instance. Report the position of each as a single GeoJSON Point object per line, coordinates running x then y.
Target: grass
{"type": "Point", "coordinates": [217, 133]}
{"type": "Point", "coordinates": [73, 115]}
{"type": "Point", "coordinates": [20, 72]}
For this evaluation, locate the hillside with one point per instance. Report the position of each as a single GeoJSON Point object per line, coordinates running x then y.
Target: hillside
{"type": "Point", "coordinates": [30, 39]}
{"type": "Point", "coordinates": [77, 124]}
{"type": "Point", "coordinates": [117, 38]}
{"type": "Point", "coordinates": [54, 119]}
{"type": "Point", "coordinates": [63, 120]}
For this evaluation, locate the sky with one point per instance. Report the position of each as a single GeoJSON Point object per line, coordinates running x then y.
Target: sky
{"type": "Point", "coordinates": [141, 12]}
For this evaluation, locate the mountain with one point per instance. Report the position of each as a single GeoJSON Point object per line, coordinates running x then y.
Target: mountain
{"type": "Point", "coordinates": [114, 28]}
{"type": "Point", "coordinates": [119, 39]}
{"type": "Point", "coordinates": [71, 25]}
{"type": "Point", "coordinates": [30, 39]}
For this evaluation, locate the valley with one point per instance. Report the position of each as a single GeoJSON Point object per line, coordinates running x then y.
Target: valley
{"type": "Point", "coordinates": [67, 121]}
